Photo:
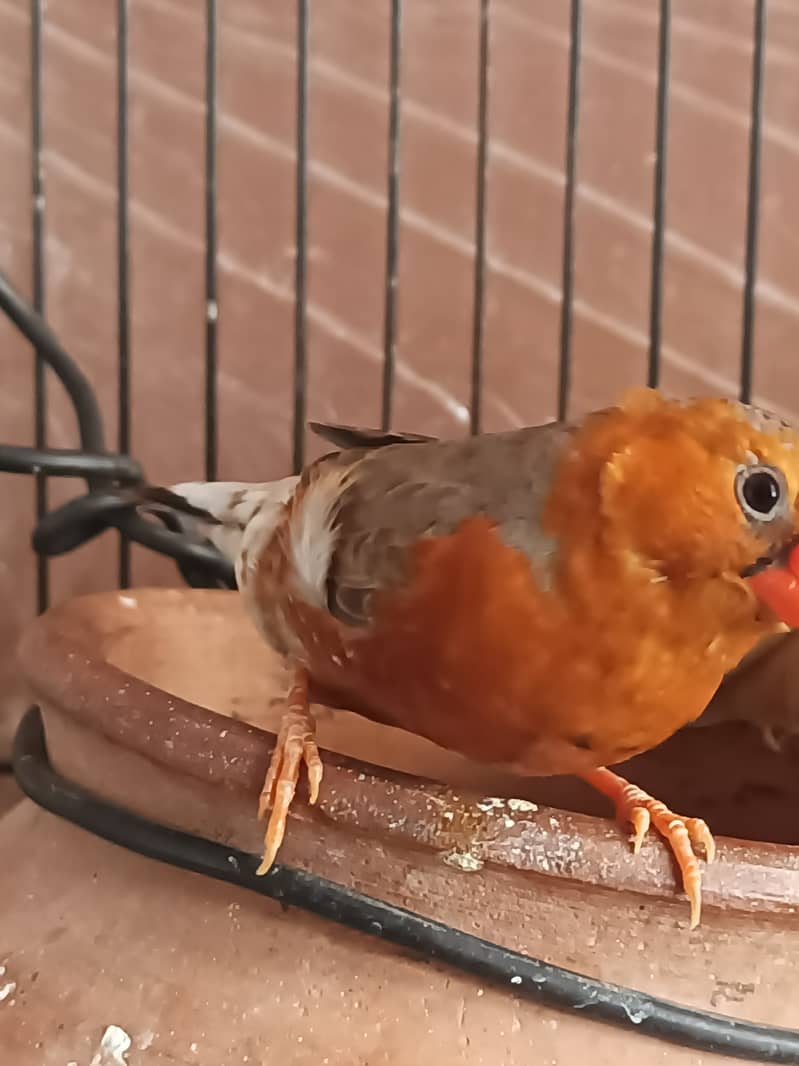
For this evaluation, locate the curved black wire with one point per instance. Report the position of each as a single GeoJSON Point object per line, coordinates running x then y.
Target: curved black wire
{"type": "Point", "coordinates": [530, 978]}
{"type": "Point", "coordinates": [36, 330]}
{"type": "Point", "coordinates": [69, 462]}
{"type": "Point", "coordinates": [101, 470]}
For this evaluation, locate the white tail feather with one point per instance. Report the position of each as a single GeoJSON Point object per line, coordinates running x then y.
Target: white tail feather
{"type": "Point", "coordinates": [248, 515]}
{"type": "Point", "coordinates": [236, 504]}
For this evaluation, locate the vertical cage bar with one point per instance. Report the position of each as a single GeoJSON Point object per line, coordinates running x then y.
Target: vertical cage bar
{"type": "Point", "coordinates": [659, 195]}
{"type": "Point", "coordinates": [301, 240]}
{"type": "Point", "coordinates": [570, 173]}
{"type": "Point", "coordinates": [123, 263]}
{"type": "Point", "coordinates": [211, 291]}
{"type": "Point", "coordinates": [38, 282]}
{"type": "Point", "coordinates": [392, 213]}
{"type": "Point", "coordinates": [753, 202]}
{"type": "Point", "coordinates": [476, 403]}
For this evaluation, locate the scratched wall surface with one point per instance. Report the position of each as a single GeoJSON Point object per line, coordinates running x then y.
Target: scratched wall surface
{"type": "Point", "coordinates": [704, 244]}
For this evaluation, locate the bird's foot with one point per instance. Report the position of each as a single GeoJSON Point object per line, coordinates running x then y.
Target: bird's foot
{"type": "Point", "coordinates": [296, 743]}
{"type": "Point", "coordinates": [641, 810]}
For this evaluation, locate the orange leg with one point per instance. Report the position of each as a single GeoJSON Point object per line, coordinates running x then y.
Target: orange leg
{"type": "Point", "coordinates": [296, 743]}
{"type": "Point", "coordinates": [682, 834]}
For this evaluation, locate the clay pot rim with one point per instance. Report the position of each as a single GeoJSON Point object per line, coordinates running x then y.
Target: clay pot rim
{"type": "Point", "coordinates": [60, 654]}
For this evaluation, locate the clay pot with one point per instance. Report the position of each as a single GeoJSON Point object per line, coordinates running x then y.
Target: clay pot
{"type": "Point", "coordinates": [161, 701]}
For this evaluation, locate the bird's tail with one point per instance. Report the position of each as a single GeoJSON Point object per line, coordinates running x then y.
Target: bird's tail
{"type": "Point", "coordinates": [222, 510]}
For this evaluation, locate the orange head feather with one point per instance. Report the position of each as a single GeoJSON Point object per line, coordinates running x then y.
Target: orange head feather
{"type": "Point", "coordinates": [688, 490]}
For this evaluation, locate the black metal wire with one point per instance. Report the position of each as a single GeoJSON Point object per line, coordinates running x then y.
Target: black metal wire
{"type": "Point", "coordinates": [301, 240]}
{"type": "Point", "coordinates": [79, 520]}
{"type": "Point", "coordinates": [478, 324]}
{"type": "Point", "coordinates": [90, 430]}
{"type": "Point", "coordinates": [211, 293]}
{"type": "Point", "coordinates": [570, 177]}
{"type": "Point", "coordinates": [38, 222]}
{"type": "Point", "coordinates": [659, 195]}
{"type": "Point", "coordinates": [123, 264]}
{"type": "Point", "coordinates": [69, 462]}
{"type": "Point", "coordinates": [753, 201]}
{"type": "Point", "coordinates": [392, 214]}
{"type": "Point", "coordinates": [35, 329]}
{"type": "Point", "coordinates": [519, 975]}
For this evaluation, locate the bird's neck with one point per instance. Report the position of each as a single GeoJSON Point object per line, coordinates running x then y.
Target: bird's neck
{"type": "Point", "coordinates": [715, 620]}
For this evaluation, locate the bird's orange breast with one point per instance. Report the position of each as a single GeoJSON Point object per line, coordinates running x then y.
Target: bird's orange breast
{"type": "Point", "coordinates": [477, 657]}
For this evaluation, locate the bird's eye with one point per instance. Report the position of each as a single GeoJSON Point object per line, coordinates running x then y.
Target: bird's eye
{"type": "Point", "coordinates": [761, 492]}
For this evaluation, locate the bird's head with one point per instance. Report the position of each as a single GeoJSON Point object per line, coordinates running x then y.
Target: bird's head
{"type": "Point", "coordinates": [699, 490]}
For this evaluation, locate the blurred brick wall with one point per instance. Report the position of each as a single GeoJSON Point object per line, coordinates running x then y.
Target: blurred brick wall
{"type": "Point", "coordinates": [348, 128]}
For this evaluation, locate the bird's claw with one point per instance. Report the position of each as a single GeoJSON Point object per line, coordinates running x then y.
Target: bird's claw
{"type": "Point", "coordinates": [683, 835]}
{"type": "Point", "coordinates": [296, 743]}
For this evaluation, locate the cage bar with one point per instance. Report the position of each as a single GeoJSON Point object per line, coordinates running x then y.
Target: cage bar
{"type": "Point", "coordinates": [123, 264]}
{"type": "Point", "coordinates": [753, 202]}
{"type": "Point", "coordinates": [38, 280]}
{"type": "Point", "coordinates": [392, 214]}
{"type": "Point", "coordinates": [659, 194]}
{"type": "Point", "coordinates": [570, 175]}
{"type": "Point", "coordinates": [211, 289]}
{"type": "Point", "coordinates": [301, 240]}
{"type": "Point", "coordinates": [478, 320]}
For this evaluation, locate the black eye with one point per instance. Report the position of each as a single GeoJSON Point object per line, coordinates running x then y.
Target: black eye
{"type": "Point", "coordinates": [761, 492]}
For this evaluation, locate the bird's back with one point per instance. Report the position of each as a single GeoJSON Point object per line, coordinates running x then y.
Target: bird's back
{"type": "Point", "coordinates": [405, 493]}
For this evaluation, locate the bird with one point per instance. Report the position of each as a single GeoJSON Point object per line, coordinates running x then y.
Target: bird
{"type": "Point", "coordinates": [548, 600]}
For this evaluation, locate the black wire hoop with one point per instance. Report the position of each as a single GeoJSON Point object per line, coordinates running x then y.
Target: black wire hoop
{"type": "Point", "coordinates": [107, 475]}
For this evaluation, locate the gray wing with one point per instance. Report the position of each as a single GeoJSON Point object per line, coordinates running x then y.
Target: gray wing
{"type": "Point", "coordinates": [402, 492]}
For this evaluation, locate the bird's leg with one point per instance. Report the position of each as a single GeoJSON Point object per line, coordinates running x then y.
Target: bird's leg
{"type": "Point", "coordinates": [296, 743]}
{"type": "Point", "coordinates": [682, 834]}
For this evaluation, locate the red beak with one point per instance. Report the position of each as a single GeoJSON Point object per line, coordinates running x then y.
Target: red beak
{"type": "Point", "coordinates": [778, 588]}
